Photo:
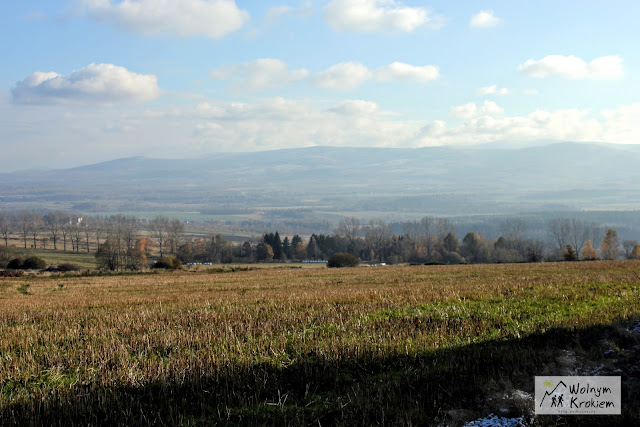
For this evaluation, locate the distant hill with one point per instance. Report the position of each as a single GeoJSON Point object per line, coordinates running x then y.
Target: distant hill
{"type": "Point", "coordinates": [578, 175]}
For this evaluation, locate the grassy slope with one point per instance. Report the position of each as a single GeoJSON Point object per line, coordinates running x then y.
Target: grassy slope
{"type": "Point", "coordinates": [399, 345]}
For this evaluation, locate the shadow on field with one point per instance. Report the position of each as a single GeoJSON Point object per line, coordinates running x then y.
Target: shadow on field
{"type": "Point", "coordinates": [444, 387]}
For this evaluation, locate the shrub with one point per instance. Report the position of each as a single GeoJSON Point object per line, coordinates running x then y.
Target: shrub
{"type": "Point", "coordinates": [68, 267]}
{"type": "Point", "coordinates": [12, 273]}
{"type": "Point", "coordinates": [15, 264]}
{"type": "Point", "coordinates": [169, 263]}
{"type": "Point", "coordinates": [33, 263]}
{"type": "Point", "coordinates": [453, 258]}
{"type": "Point", "coordinates": [569, 254]}
{"type": "Point", "coordinates": [340, 259]}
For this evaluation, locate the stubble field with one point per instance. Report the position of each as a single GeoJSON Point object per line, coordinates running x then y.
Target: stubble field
{"type": "Point", "coordinates": [421, 345]}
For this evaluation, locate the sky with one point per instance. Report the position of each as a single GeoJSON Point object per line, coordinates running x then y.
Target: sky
{"type": "Point", "coordinates": [85, 81]}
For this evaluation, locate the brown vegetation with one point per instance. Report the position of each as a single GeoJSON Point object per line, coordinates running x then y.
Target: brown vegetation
{"type": "Point", "coordinates": [394, 344]}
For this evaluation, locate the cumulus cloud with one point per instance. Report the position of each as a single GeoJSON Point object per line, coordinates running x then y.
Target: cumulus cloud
{"type": "Point", "coordinates": [263, 73]}
{"type": "Point", "coordinates": [375, 16]}
{"type": "Point", "coordinates": [283, 123]}
{"type": "Point", "coordinates": [345, 75]}
{"type": "Point", "coordinates": [356, 108]}
{"type": "Point", "coordinates": [493, 90]}
{"type": "Point", "coordinates": [184, 18]}
{"type": "Point", "coordinates": [471, 110]}
{"type": "Point", "coordinates": [94, 84]}
{"type": "Point", "coordinates": [484, 19]}
{"type": "Point", "coordinates": [407, 72]}
{"type": "Point", "coordinates": [572, 67]}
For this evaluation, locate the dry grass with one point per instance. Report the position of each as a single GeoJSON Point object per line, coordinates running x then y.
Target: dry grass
{"type": "Point", "coordinates": [292, 346]}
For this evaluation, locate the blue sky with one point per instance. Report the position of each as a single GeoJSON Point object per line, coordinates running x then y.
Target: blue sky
{"type": "Point", "coordinates": [84, 81]}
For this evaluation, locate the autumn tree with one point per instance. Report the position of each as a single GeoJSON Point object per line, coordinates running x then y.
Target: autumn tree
{"type": "Point", "coordinates": [264, 252]}
{"type": "Point", "coordinates": [610, 245]}
{"type": "Point", "coordinates": [475, 248]}
{"type": "Point", "coordinates": [635, 253]}
{"type": "Point", "coordinates": [588, 252]}
{"type": "Point", "coordinates": [301, 250]}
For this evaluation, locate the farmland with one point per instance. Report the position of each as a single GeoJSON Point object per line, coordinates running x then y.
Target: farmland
{"type": "Point", "coordinates": [389, 345]}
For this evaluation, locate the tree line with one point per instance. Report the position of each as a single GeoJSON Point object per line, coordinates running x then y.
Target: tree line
{"type": "Point", "coordinates": [126, 242]}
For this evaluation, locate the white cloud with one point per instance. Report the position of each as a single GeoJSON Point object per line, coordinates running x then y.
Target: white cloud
{"type": "Point", "coordinates": [493, 90]}
{"type": "Point", "coordinates": [345, 75]}
{"type": "Point", "coordinates": [98, 84]}
{"type": "Point", "coordinates": [263, 73]}
{"type": "Point", "coordinates": [356, 108]}
{"type": "Point", "coordinates": [374, 16]}
{"type": "Point", "coordinates": [284, 123]}
{"type": "Point", "coordinates": [54, 135]}
{"type": "Point", "coordinates": [278, 11]}
{"type": "Point", "coordinates": [470, 110]}
{"type": "Point", "coordinates": [407, 72]}
{"type": "Point", "coordinates": [184, 18]}
{"type": "Point", "coordinates": [572, 67]}
{"type": "Point", "coordinates": [484, 19]}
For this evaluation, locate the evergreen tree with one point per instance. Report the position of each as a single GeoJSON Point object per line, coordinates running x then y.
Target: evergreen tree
{"type": "Point", "coordinates": [286, 248]}
{"type": "Point", "coordinates": [276, 244]}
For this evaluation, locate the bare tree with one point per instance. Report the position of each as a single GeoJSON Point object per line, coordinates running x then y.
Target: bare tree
{"type": "Point", "coordinates": [175, 234]}
{"type": "Point", "coordinates": [159, 226]}
{"type": "Point", "coordinates": [348, 228]}
{"type": "Point", "coordinates": [23, 219]}
{"type": "Point", "coordinates": [596, 235]}
{"type": "Point", "coordinates": [7, 220]}
{"type": "Point", "coordinates": [87, 228]}
{"type": "Point", "coordinates": [414, 239]}
{"type": "Point", "coordinates": [578, 235]}
{"type": "Point", "coordinates": [53, 224]}
{"type": "Point", "coordinates": [66, 227]}
{"type": "Point", "coordinates": [560, 231]}
{"type": "Point", "coordinates": [430, 237]}
{"type": "Point", "coordinates": [98, 226]}
{"type": "Point", "coordinates": [513, 229]}
{"type": "Point", "coordinates": [378, 237]}
{"type": "Point", "coordinates": [628, 246]}
{"type": "Point", "coordinates": [129, 229]}
{"type": "Point", "coordinates": [76, 234]}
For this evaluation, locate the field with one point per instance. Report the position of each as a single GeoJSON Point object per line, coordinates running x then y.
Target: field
{"type": "Point", "coordinates": [420, 345]}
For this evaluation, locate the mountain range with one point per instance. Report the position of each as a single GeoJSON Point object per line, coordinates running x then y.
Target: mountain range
{"type": "Point", "coordinates": [480, 179]}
